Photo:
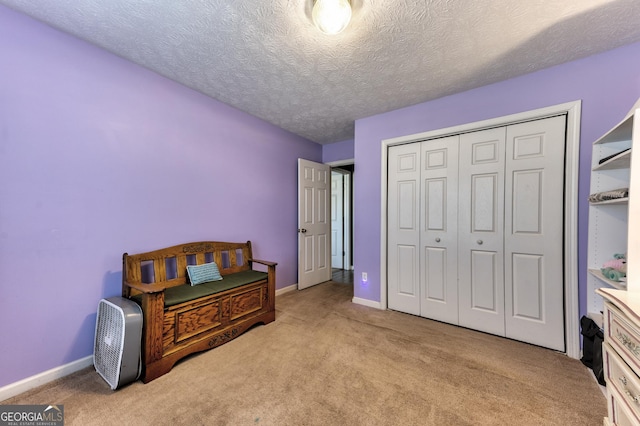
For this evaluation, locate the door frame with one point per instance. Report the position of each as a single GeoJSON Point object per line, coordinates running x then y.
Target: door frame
{"type": "Point", "coordinates": [348, 211]}
{"type": "Point", "coordinates": [345, 214]}
{"type": "Point", "coordinates": [572, 150]}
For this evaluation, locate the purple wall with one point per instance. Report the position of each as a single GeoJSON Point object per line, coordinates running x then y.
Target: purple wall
{"type": "Point", "coordinates": [99, 156]}
{"type": "Point", "coordinates": [608, 84]}
{"type": "Point", "coordinates": [338, 151]}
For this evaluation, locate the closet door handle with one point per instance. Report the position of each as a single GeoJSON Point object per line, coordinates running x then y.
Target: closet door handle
{"type": "Point", "coordinates": [479, 242]}
{"type": "Point", "coordinates": [437, 239]}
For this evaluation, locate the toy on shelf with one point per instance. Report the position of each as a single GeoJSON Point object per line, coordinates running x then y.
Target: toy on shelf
{"type": "Point", "coordinates": [616, 269]}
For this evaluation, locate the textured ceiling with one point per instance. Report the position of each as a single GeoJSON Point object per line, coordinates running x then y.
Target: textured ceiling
{"type": "Point", "coordinates": [265, 57]}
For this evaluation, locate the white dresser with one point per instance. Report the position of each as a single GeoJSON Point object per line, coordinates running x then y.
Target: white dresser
{"type": "Point", "coordinates": [621, 356]}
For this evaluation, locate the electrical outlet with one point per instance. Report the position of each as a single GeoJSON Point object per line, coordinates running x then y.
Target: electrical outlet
{"type": "Point", "coordinates": [364, 277]}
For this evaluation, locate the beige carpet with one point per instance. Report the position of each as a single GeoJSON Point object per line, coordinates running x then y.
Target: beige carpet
{"type": "Point", "coordinates": [326, 361]}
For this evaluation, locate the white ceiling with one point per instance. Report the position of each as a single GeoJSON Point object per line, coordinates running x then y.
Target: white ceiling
{"type": "Point", "coordinates": [265, 57]}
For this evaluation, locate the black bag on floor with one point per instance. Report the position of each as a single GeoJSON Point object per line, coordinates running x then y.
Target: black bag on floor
{"type": "Point", "coordinates": [598, 368]}
{"type": "Point", "coordinates": [592, 338]}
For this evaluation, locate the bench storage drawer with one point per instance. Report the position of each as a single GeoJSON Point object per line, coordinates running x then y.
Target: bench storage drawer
{"type": "Point", "coordinates": [189, 321]}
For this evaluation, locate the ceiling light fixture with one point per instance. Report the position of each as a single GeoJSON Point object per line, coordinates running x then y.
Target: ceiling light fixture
{"type": "Point", "coordinates": [331, 16]}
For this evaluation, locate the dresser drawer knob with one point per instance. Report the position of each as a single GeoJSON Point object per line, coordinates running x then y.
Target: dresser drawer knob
{"type": "Point", "coordinates": [623, 380]}
{"type": "Point", "coordinates": [630, 344]}
{"type": "Point", "coordinates": [634, 398]}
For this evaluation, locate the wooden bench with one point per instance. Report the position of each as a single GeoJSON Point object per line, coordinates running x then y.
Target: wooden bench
{"type": "Point", "coordinates": [181, 319]}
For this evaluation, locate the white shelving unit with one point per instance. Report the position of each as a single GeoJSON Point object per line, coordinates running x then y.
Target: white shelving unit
{"type": "Point", "coordinates": [611, 222]}
{"type": "Point", "coordinates": [615, 228]}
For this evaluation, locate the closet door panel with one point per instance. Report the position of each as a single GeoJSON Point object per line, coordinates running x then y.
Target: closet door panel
{"type": "Point", "coordinates": [528, 286]}
{"type": "Point", "coordinates": [534, 200]}
{"type": "Point", "coordinates": [480, 233]}
{"type": "Point", "coordinates": [484, 203]}
{"type": "Point", "coordinates": [436, 279]}
{"type": "Point", "coordinates": [407, 278]}
{"type": "Point", "coordinates": [403, 217]}
{"type": "Point", "coordinates": [439, 229]}
{"type": "Point", "coordinates": [484, 281]}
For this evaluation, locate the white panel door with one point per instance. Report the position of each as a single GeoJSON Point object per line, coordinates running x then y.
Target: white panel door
{"type": "Point", "coordinates": [337, 220]}
{"type": "Point", "coordinates": [480, 232]}
{"type": "Point", "coordinates": [403, 216]}
{"type": "Point", "coordinates": [439, 230]}
{"type": "Point", "coordinates": [534, 199]}
{"type": "Point", "coordinates": [314, 226]}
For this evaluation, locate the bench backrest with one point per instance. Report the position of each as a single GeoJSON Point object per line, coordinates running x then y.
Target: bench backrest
{"type": "Point", "coordinates": [168, 266]}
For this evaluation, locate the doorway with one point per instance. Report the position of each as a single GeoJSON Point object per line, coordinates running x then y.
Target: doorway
{"type": "Point", "coordinates": [342, 222]}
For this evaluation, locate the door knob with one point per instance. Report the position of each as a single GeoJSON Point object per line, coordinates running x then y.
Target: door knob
{"type": "Point", "coordinates": [480, 242]}
{"type": "Point", "coordinates": [437, 239]}
{"type": "Point", "coordinates": [302, 230]}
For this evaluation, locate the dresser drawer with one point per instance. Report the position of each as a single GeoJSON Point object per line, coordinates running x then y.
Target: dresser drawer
{"type": "Point", "coordinates": [622, 335]}
{"type": "Point", "coordinates": [619, 414]}
{"type": "Point", "coordinates": [623, 388]}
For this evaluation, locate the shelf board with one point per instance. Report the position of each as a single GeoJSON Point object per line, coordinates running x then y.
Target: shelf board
{"type": "Point", "coordinates": [623, 130]}
{"type": "Point", "coordinates": [621, 161]}
{"type": "Point", "coordinates": [615, 284]}
{"type": "Point", "coordinates": [616, 202]}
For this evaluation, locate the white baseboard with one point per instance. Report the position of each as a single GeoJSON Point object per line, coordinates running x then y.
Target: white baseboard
{"type": "Point", "coordinates": [33, 382]}
{"type": "Point", "coordinates": [286, 289]}
{"type": "Point", "coordinates": [367, 302]}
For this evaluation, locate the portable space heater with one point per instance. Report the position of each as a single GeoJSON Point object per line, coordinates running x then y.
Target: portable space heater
{"type": "Point", "coordinates": [116, 352]}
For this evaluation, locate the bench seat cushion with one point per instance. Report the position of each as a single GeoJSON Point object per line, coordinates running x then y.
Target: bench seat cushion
{"type": "Point", "coordinates": [186, 292]}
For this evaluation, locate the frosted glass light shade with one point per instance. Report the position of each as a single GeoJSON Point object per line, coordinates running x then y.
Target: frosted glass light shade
{"type": "Point", "coordinates": [331, 16]}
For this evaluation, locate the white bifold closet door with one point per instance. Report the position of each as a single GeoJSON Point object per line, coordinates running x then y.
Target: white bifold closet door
{"type": "Point", "coordinates": [475, 230]}
{"type": "Point", "coordinates": [422, 229]}
{"type": "Point", "coordinates": [439, 230]}
{"type": "Point", "coordinates": [403, 215]}
{"type": "Point", "coordinates": [481, 230]}
{"type": "Point", "coordinates": [533, 245]}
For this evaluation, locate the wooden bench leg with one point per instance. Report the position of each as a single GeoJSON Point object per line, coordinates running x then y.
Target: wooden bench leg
{"type": "Point", "coordinates": [153, 309]}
